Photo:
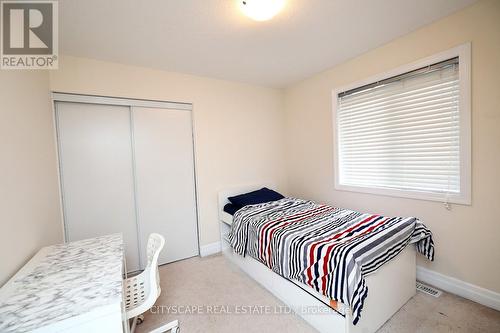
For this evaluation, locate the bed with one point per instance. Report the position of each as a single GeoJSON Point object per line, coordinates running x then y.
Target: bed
{"type": "Point", "coordinates": [392, 285]}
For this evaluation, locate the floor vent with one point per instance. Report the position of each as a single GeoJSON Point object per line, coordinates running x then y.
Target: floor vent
{"type": "Point", "coordinates": [428, 290]}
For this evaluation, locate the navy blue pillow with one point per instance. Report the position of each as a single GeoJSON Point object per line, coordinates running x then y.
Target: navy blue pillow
{"type": "Point", "coordinates": [255, 197]}
{"type": "Point", "coordinates": [231, 209]}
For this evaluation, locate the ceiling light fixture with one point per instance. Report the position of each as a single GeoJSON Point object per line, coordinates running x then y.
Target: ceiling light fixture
{"type": "Point", "coordinates": [261, 10]}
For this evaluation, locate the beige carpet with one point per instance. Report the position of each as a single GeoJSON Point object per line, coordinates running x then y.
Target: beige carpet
{"type": "Point", "coordinates": [211, 295]}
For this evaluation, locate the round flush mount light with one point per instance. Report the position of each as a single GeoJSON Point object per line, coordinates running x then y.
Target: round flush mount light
{"type": "Point", "coordinates": [261, 10]}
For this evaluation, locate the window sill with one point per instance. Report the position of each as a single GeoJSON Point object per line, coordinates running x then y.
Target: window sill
{"type": "Point", "coordinates": [460, 199]}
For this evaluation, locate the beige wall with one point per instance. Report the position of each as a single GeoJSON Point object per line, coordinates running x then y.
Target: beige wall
{"type": "Point", "coordinates": [467, 237]}
{"type": "Point", "coordinates": [240, 133]}
{"type": "Point", "coordinates": [239, 128]}
{"type": "Point", "coordinates": [29, 204]}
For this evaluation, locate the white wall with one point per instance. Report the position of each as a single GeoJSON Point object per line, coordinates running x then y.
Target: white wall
{"type": "Point", "coordinates": [467, 237]}
{"type": "Point", "coordinates": [238, 128]}
{"type": "Point", "coordinates": [29, 197]}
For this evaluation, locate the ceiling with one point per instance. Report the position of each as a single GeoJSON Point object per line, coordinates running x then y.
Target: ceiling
{"type": "Point", "coordinates": [212, 38]}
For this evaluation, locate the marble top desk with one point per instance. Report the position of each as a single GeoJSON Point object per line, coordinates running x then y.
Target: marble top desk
{"type": "Point", "coordinates": [73, 287]}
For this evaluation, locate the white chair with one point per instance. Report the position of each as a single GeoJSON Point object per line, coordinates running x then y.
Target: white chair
{"type": "Point", "coordinates": [142, 291]}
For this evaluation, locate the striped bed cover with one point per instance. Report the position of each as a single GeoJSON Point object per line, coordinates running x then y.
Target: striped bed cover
{"type": "Point", "coordinates": [329, 249]}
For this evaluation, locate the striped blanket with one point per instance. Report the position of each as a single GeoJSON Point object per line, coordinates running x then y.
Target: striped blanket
{"type": "Point", "coordinates": [330, 249]}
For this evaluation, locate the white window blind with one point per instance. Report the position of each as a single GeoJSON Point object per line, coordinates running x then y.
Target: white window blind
{"type": "Point", "coordinates": [403, 133]}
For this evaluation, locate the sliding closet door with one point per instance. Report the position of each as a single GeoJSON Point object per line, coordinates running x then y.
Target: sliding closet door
{"type": "Point", "coordinates": [165, 185]}
{"type": "Point", "coordinates": [95, 150]}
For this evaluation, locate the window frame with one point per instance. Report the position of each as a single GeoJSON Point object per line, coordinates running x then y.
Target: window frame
{"type": "Point", "coordinates": [464, 197]}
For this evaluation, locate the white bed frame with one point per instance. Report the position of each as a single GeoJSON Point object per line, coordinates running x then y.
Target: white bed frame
{"type": "Point", "coordinates": [388, 289]}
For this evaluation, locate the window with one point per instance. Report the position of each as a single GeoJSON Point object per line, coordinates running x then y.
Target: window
{"type": "Point", "coordinates": [408, 133]}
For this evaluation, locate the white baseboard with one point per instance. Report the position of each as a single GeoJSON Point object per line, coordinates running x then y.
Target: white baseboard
{"type": "Point", "coordinates": [209, 249]}
{"type": "Point", "coordinates": [455, 286]}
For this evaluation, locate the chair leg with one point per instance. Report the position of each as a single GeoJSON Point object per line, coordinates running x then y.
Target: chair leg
{"type": "Point", "coordinates": [134, 324]}
{"type": "Point", "coordinates": [173, 326]}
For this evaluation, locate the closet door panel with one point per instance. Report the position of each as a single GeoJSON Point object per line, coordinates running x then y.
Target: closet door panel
{"type": "Point", "coordinates": [165, 183]}
{"type": "Point", "coordinates": [95, 150]}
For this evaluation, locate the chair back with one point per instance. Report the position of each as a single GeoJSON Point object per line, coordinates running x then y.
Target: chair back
{"type": "Point", "coordinates": [154, 247]}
